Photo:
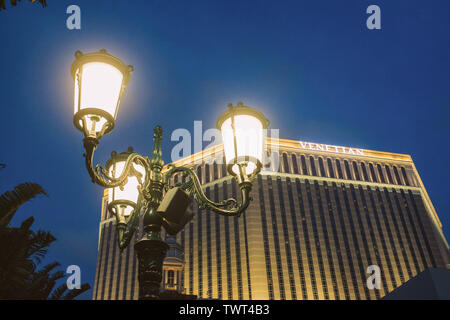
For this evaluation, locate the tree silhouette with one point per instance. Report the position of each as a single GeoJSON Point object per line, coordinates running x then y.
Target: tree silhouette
{"type": "Point", "coordinates": [22, 250]}
{"type": "Point", "coordinates": [14, 3]}
{"type": "Point", "coordinates": [10, 201]}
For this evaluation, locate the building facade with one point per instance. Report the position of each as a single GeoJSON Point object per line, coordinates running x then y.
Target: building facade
{"type": "Point", "coordinates": [173, 267]}
{"type": "Point", "coordinates": [320, 216]}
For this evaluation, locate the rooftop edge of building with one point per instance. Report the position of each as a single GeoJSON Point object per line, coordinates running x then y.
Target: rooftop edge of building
{"type": "Point", "coordinates": [300, 146]}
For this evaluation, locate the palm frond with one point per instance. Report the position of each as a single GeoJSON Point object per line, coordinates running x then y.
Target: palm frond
{"type": "Point", "coordinates": [26, 224]}
{"type": "Point", "coordinates": [14, 3]}
{"type": "Point", "coordinates": [21, 249]}
{"type": "Point", "coordinates": [43, 281]}
{"type": "Point", "coordinates": [39, 243]}
{"type": "Point", "coordinates": [48, 268]}
{"type": "Point", "coordinates": [57, 275]}
{"type": "Point", "coordinates": [15, 267]}
{"type": "Point", "coordinates": [76, 292]}
{"type": "Point", "coordinates": [58, 292]}
{"type": "Point", "coordinates": [10, 201]}
{"type": "Point", "coordinates": [51, 283]}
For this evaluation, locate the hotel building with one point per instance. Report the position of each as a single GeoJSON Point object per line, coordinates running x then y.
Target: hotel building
{"type": "Point", "coordinates": [320, 216]}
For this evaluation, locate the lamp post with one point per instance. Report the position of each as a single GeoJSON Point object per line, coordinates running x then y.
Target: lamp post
{"type": "Point", "coordinates": [138, 187]}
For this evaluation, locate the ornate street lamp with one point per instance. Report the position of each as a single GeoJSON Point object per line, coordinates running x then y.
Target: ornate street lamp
{"type": "Point", "coordinates": [137, 186]}
{"type": "Point", "coordinates": [100, 80]}
{"type": "Point", "coordinates": [243, 139]}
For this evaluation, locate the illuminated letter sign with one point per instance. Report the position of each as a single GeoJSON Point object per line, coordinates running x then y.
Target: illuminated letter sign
{"type": "Point", "coordinates": [328, 148]}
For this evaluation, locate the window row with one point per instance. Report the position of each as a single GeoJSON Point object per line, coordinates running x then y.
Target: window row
{"type": "Point", "coordinates": [345, 169]}
{"type": "Point", "coordinates": [319, 166]}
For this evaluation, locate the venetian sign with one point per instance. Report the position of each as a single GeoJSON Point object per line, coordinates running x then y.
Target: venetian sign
{"type": "Point", "coordinates": [329, 148]}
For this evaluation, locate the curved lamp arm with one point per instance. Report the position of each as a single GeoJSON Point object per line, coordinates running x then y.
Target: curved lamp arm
{"type": "Point", "coordinates": [99, 174]}
{"type": "Point", "coordinates": [228, 207]}
{"type": "Point", "coordinates": [126, 226]}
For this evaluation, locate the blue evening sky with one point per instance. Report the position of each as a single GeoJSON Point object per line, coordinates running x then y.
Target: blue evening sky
{"type": "Point", "coordinates": [312, 67]}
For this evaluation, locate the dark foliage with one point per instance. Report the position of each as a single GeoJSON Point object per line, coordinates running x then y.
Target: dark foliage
{"type": "Point", "coordinates": [22, 250]}
{"type": "Point", "coordinates": [10, 201]}
{"type": "Point", "coordinates": [14, 3]}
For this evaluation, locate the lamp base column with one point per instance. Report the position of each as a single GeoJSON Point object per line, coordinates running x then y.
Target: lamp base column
{"type": "Point", "coordinates": [150, 254]}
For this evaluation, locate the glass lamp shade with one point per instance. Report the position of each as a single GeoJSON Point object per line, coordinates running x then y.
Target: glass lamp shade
{"type": "Point", "coordinates": [243, 137]}
{"type": "Point", "coordinates": [100, 80]}
{"type": "Point", "coordinates": [126, 197]}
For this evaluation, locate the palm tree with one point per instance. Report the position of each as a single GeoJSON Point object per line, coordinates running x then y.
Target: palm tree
{"type": "Point", "coordinates": [10, 201]}
{"type": "Point", "coordinates": [22, 250]}
{"type": "Point", "coordinates": [14, 3]}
